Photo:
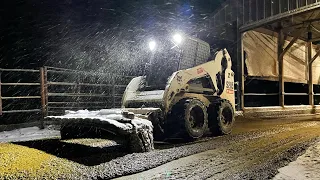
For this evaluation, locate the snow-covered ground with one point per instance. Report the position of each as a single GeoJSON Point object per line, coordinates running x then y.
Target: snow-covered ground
{"type": "Point", "coordinates": [26, 134]}
{"type": "Point", "coordinates": [307, 166]}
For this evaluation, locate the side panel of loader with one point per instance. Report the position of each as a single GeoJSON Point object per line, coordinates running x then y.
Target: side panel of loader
{"type": "Point", "coordinates": [218, 72]}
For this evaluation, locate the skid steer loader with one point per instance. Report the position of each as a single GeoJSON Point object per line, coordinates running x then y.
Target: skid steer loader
{"type": "Point", "coordinates": [196, 98]}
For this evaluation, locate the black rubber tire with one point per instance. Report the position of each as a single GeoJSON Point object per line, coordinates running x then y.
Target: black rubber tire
{"type": "Point", "coordinates": [192, 117]}
{"type": "Point", "coordinates": [221, 118]}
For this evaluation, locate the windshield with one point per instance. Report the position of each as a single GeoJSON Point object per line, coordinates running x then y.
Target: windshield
{"type": "Point", "coordinates": [162, 63]}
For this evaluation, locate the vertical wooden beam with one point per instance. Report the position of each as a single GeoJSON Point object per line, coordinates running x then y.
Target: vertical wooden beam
{"type": "Point", "coordinates": [43, 97]}
{"type": "Point", "coordinates": [242, 64]}
{"type": "Point", "coordinates": [0, 96]}
{"type": "Point", "coordinates": [239, 54]}
{"type": "Point", "coordinates": [315, 56]}
{"type": "Point", "coordinates": [309, 58]}
{"type": "Point", "coordinates": [280, 65]}
{"type": "Point", "coordinates": [306, 63]}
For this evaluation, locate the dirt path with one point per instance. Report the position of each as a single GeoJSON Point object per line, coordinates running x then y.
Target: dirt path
{"type": "Point", "coordinates": [256, 149]}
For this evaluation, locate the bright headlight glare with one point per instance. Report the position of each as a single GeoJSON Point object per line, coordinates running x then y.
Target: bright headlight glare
{"type": "Point", "coordinates": [177, 38]}
{"type": "Point", "coordinates": [152, 45]}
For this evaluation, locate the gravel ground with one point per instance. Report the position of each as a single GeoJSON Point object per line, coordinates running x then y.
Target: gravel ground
{"type": "Point", "coordinates": [255, 150]}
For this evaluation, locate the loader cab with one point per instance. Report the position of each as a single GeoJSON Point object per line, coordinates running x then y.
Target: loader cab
{"type": "Point", "coordinates": [162, 63]}
{"type": "Point", "coordinates": [171, 55]}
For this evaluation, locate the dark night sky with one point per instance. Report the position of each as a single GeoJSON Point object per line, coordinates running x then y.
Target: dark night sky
{"type": "Point", "coordinates": [103, 35]}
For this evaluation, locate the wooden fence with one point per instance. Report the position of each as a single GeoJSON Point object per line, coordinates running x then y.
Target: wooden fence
{"type": "Point", "coordinates": [51, 91]}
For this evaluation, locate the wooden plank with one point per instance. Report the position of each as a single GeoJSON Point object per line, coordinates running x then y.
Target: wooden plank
{"type": "Point", "coordinates": [242, 72]}
{"type": "Point", "coordinates": [315, 57]}
{"type": "Point", "coordinates": [296, 36]}
{"type": "Point", "coordinates": [83, 84]}
{"type": "Point", "coordinates": [22, 111]}
{"type": "Point", "coordinates": [78, 94]}
{"type": "Point", "coordinates": [280, 63]}
{"type": "Point", "coordinates": [239, 67]}
{"type": "Point", "coordinates": [43, 97]}
{"type": "Point", "coordinates": [19, 70]}
{"type": "Point", "coordinates": [69, 71]}
{"type": "Point", "coordinates": [310, 77]}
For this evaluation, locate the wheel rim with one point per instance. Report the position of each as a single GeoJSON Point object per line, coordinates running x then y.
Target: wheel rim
{"type": "Point", "coordinates": [196, 118]}
{"type": "Point", "coordinates": [226, 117]}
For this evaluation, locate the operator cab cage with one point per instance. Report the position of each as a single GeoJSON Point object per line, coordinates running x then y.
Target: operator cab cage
{"type": "Point", "coordinates": [171, 58]}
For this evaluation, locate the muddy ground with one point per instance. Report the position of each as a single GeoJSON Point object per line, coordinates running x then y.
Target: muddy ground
{"type": "Point", "coordinates": [254, 150]}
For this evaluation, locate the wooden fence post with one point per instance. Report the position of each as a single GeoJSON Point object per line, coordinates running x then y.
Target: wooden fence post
{"type": "Point", "coordinates": [281, 68]}
{"type": "Point", "coordinates": [44, 95]}
{"type": "Point", "coordinates": [310, 75]}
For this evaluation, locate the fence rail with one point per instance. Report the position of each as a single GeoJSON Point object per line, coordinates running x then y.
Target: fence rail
{"type": "Point", "coordinates": [261, 94]}
{"type": "Point", "coordinates": [8, 84]}
{"type": "Point", "coordinates": [19, 70]}
{"type": "Point", "coordinates": [296, 94]}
